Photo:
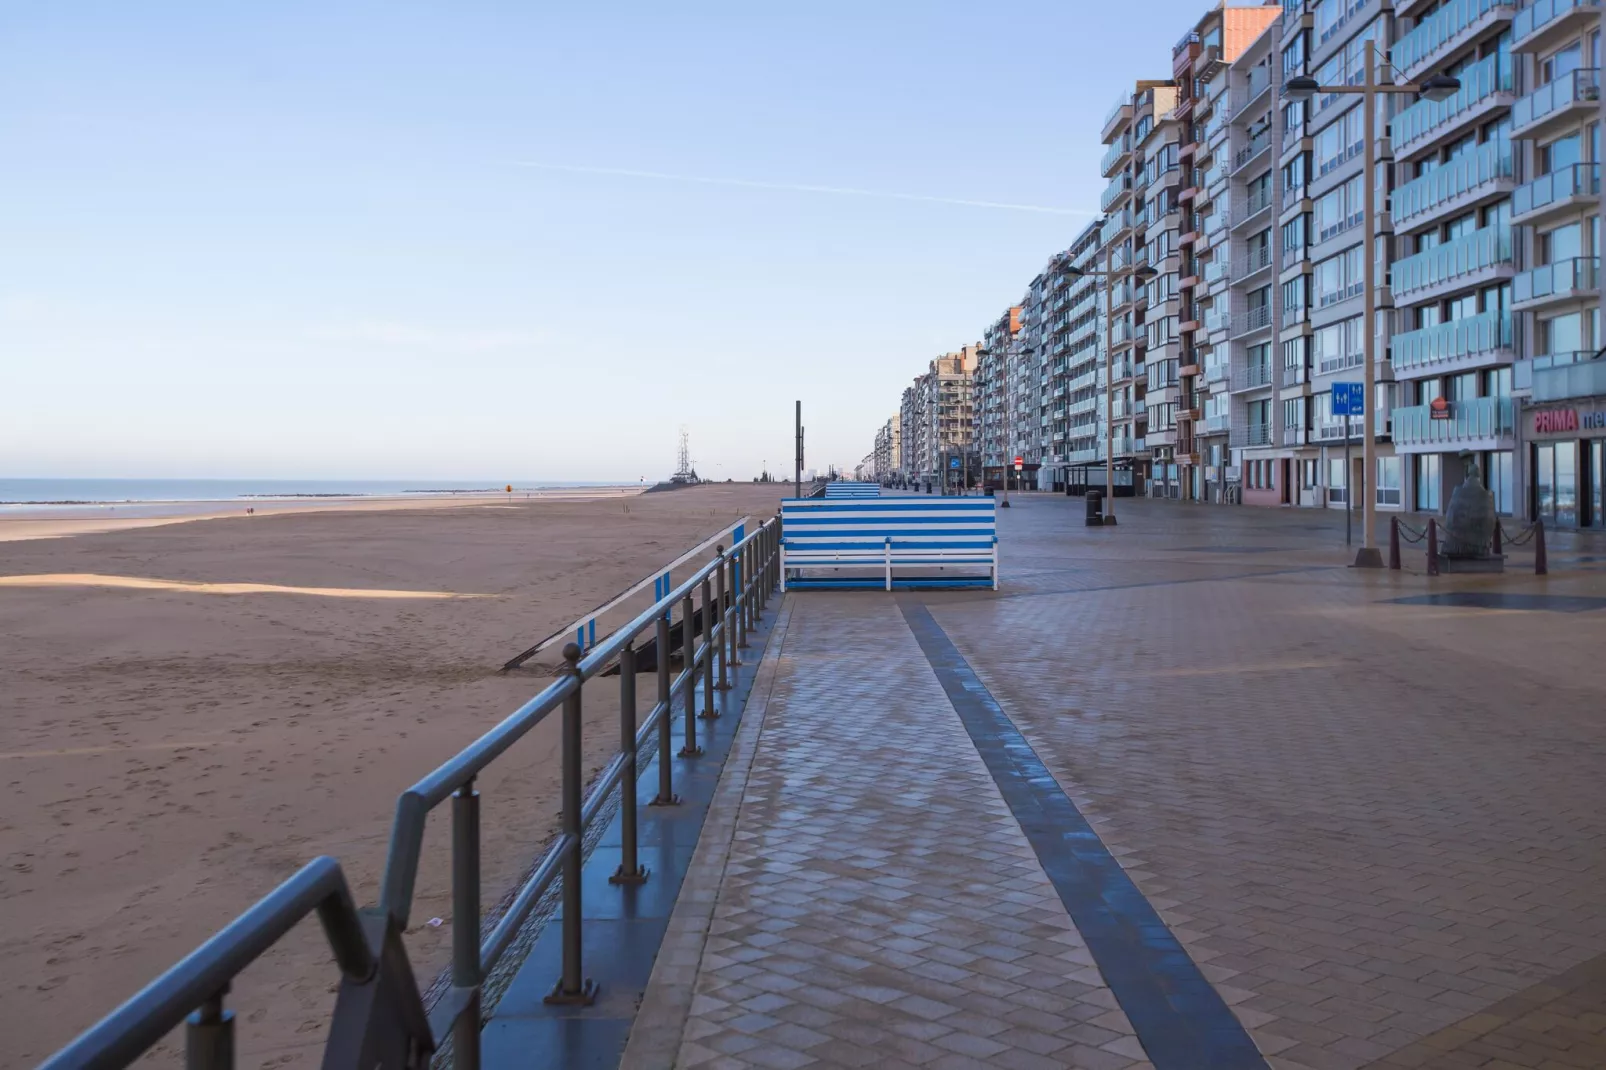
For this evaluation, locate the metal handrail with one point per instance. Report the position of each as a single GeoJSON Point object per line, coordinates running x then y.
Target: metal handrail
{"type": "Point", "coordinates": [200, 978]}
{"type": "Point", "coordinates": [368, 946]}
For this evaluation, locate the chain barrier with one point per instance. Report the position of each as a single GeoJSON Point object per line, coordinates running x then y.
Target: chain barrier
{"type": "Point", "coordinates": [1411, 534]}
{"type": "Point", "coordinates": [1522, 538]}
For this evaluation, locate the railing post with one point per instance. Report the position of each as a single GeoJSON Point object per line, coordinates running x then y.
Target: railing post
{"type": "Point", "coordinates": [573, 987]}
{"type": "Point", "coordinates": [1433, 547]}
{"type": "Point", "coordinates": [666, 719]}
{"type": "Point", "coordinates": [688, 651]}
{"type": "Point", "coordinates": [209, 1036]}
{"type": "Point", "coordinates": [1541, 559]}
{"type": "Point", "coordinates": [629, 872]}
{"type": "Point", "coordinates": [732, 614]}
{"type": "Point", "coordinates": [1394, 543]}
{"type": "Point", "coordinates": [744, 616]}
{"type": "Point", "coordinates": [466, 923]}
{"type": "Point", "coordinates": [723, 616]}
{"type": "Point", "coordinates": [709, 713]}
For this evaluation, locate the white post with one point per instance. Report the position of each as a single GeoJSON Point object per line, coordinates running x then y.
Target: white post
{"type": "Point", "coordinates": [887, 552]}
{"type": "Point", "coordinates": [1369, 556]}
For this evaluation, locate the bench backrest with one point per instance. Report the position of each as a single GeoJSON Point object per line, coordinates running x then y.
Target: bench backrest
{"type": "Point", "coordinates": [923, 524]}
{"type": "Point", "coordinates": [845, 489]}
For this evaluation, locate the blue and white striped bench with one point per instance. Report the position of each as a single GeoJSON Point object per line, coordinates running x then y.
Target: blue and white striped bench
{"type": "Point", "coordinates": [934, 542]}
{"type": "Point", "coordinates": [844, 489]}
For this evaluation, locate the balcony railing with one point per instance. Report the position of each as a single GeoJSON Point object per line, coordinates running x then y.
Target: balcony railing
{"type": "Point", "coordinates": [1253, 375]}
{"type": "Point", "coordinates": [1118, 188]}
{"type": "Point", "coordinates": [1553, 282]}
{"type": "Point", "coordinates": [1574, 180]}
{"type": "Point", "coordinates": [1217, 423]}
{"type": "Point", "coordinates": [1117, 150]}
{"type": "Point", "coordinates": [1580, 379]}
{"type": "Point", "coordinates": [1441, 28]}
{"type": "Point", "coordinates": [1480, 81]}
{"type": "Point", "coordinates": [1486, 332]}
{"type": "Point", "coordinates": [1217, 319]}
{"type": "Point", "coordinates": [1485, 164]}
{"type": "Point", "coordinates": [1255, 261]}
{"type": "Point", "coordinates": [1257, 145]}
{"type": "Point", "coordinates": [1475, 252]}
{"type": "Point", "coordinates": [1538, 16]}
{"type": "Point", "coordinates": [1471, 420]}
{"type": "Point", "coordinates": [1253, 320]}
{"type": "Point", "coordinates": [1294, 374]}
{"type": "Point", "coordinates": [1574, 87]}
{"type": "Point", "coordinates": [1257, 435]}
{"type": "Point", "coordinates": [1255, 203]}
{"type": "Point", "coordinates": [1215, 271]}
{"type": "Point", "coordinates": [1217, 373]}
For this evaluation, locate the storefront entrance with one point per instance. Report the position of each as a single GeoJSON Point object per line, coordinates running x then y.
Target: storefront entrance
{"type": "Point", "coordinates": [1555, 468]}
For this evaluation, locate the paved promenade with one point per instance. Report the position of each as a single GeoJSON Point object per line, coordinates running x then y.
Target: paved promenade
{"type": "Point", "coordinates": [1184, 793]}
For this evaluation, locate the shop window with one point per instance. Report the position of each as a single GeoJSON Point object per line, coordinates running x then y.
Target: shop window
{"type": "Point", "coordinates": [1388, 481]}
{"type": "Point", "coordinates": [1426, 478]}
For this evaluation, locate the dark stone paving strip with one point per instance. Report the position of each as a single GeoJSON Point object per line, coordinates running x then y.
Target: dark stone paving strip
{"type": "Point", "coordinates": [623, 925]}
{"type": "Point", "coordinates": [1180, 1019]}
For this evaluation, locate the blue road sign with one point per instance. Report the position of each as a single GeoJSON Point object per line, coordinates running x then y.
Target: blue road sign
{"type": "Point", "coordinates": [953, 462]}
{"type": "Point", "coordinates": [1349, 399]}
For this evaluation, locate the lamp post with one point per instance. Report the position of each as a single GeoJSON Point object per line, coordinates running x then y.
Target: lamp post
{"type": "Point", "coordinates": [1434, 87]}
{"type": "Point", "coordinates": [1109, 275]}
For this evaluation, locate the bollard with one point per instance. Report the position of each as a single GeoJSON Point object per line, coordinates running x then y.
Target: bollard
{"type": "Point", "coordinates": [1541, 560]}
{"type": "Point", "coordinates": [1433, 547]}
{"type": "Point", "coordinates": [1499, 538]}
{"type": "Point", "coordinates": [466, 923]}
{"type": "Point", "coordinates": [709, 616]}
{"type": "Point", "coordinates": [688, 661]}
{"type": "Point", "coordinates": [573, 987]}
{"type": "Point", "coordinates": [209, 1036]}
{"type": "Point", "coordinates": [1394, 543]}
{"type": "Point", "coordinates": [720, 564]}
{"type": "Point", "coordinates": [629, 871]}
{"type": "Point", "coordinates": [666, 783]}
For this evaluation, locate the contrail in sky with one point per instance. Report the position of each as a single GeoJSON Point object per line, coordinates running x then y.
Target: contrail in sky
{"type": "Point", "coordinates": [794, 187]}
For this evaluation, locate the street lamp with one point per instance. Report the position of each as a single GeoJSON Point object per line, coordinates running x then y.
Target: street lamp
{"type": "Point", "coordinates": [1142, 273]}
{"type": "Point", "coordinates": [1436, 87]}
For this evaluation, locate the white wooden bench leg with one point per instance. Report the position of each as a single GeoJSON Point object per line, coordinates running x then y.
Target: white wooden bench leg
{"type": "Point", "coordinates": [888, 553]}
{"type": "Point", "coordinates": [783, 568]}
{"type": "Point", "coordinates": [995, 564]}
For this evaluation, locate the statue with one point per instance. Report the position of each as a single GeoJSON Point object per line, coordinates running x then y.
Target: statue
{"type": "Point", "coordinates": [1469, 522]}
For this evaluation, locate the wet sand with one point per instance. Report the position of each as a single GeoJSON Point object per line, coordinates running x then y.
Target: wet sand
{"type": "Point", "coordinates": [170, 750]}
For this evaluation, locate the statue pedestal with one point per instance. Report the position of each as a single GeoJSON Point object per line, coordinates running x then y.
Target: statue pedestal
{"type": "Point", "coordinates": [1485, 564]}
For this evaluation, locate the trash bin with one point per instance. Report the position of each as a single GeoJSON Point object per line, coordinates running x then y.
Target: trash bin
{"type": "Point", "coordinates": [1095, 509]}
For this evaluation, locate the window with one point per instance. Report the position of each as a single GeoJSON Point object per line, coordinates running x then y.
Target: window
{"type": "Point", "coordinates": [1427, 482]}
{"type": "Point", "coordinates": [1497, 477]}
{"type": "Point", "coordinates": [1562, 334]}
{"type": "Point", "coordinates": [1340, 209]}
{"type": "Point", "coordinates": [1339, 277]}
{"type": "Point", "coordinates": [1337, 485]}
{"type": "Point", "coordinates": [1339, 141]}
{"type": "Point", "coordinates": [1296, 354]}
{"type": "Point", "coordinates": [1338, 345]}
{"type": "Point", "coordinates": [1294, 232]}
{"type": "Point", "coordinates": [1294, 53]}
{"type": "Point", "coordinates": [1563, 243]}
{"type": "Point", "coordinates": [1294, 295]}
{"type": "Point", "coordinates": [1295, 171]}
{"type": "Point", "coordinates": [1294, 414]}
{"type": "Point", "coordinates": [1563, 152]}
{"type": "Point", "coordinates": [1388, 481]}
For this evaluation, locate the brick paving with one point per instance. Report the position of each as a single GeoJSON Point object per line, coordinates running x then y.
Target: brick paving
{"type": "Point", "coordinates": [1375, 826]}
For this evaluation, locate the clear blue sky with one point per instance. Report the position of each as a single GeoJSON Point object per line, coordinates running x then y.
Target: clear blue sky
{"type": "Point", "coordinates": [307, 239]}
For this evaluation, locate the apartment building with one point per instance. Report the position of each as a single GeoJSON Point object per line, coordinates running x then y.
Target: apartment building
{"type": "Point", "coordinates": [1555, 125]}
{"type": "Point", "coordinates": [938, 420]}
{"type": "Point", "coordinates": [1076, 382]}
{"type": "Point", "coordinates": [993, 433]}
{"type": "Point", "coordinates": [1141, 123]}
{"type": "Point", "coordinates": [888, 453]}
{"type": "Point", "coordinates": [908, 435]}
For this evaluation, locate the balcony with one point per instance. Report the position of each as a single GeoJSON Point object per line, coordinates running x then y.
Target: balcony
{"type": "Point", "coordinates": [1456, 23]}
{"type": "Point", "coordinates": [1544, 24]}
{"type": "Point", "coordinates": [1119, 114]}
{"type": "Point", "coordinates": [1217, 319]}
{"type": "Point", "coordinates": [1252, 376]}
{"type": "Point", "coordinates": [1570, 99]}
{"type": "Point", "coordinates": [1215, 271]}
{"type": "Point", "coordinates": [1564, 280]}
{"type": "Point", "coordinates": [1246, 210]}
{"type": "Point", "coordinates": [1215, 222]}
{"type": "Point", "coordinates": [1256, 319]}
{"type": "Point", "coordinates": [1458, 261]}
{"type": "Point", "coordinates": [1581, 379]}
{"type": "Point", "coordinates": [1485, 85]}
{"type": "Point", "coordinates": [1296, 436]}
{"type": "Point", "coordinates": [1247, 155]}
{"type": "Point", "coordinates": [1118, 189]}
{"type": "Point", "coordinates": [1115, 156]}
{"type": "Point", "coordinates": [1472, 341]}
{"type": "Point", "coordinates": [1216, 425]}
{"type": "Point", "coordinates": [1484, 172]}
{"type": "Point", "coordinates": [1573, 187]}
{"type": "Point", "coordinates": [1217, 373]}
{"type": "Point", "coordinates": [1253, 435]}
{"type": "Point", "coordinates": [1257, 260]}
{"type": "Point", "coordinates": [1478, 423]}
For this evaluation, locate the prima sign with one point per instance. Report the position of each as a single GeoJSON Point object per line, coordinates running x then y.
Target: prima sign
{"type": "Point", "coordinates": [1566, 421]}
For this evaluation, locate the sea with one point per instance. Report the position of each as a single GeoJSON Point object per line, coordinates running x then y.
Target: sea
{"type": "Point", "coordinates": [26, 494]}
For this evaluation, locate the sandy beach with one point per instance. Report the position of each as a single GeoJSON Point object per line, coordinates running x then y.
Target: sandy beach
{"type": "Point", "coordinates": [193, 710]}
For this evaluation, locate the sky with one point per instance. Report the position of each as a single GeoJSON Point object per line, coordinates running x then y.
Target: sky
{"type": "Point", "coordinates": [521, 240]}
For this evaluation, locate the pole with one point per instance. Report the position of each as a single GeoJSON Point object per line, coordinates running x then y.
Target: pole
{"type": "Point", "coordinates": [1109, 395]}
{"type": "Point", "coordinates": [1368, 556]}
{"type": "Point", "coordinates": [1349, 497]}
{"type": "Point", "coordinates": [797, 450]}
